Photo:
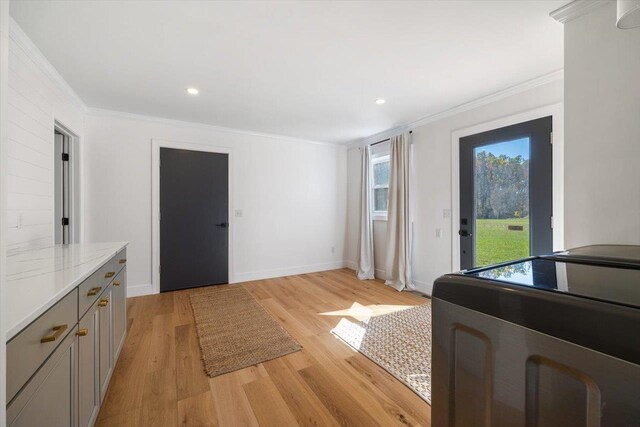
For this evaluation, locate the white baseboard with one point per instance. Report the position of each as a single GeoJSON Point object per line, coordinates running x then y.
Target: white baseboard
{"type": "Point", "coordinates": [351, 264]}
{"type": "Point", "coordinates": [424, 287]}
{"type": "Point", "coordinates": [291, 271]}
{"type": "Point", "coordinates": [139, 290]}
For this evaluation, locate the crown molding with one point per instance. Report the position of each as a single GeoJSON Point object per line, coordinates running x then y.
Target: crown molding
{"type": "Point", "coordinates": [99, 112]}
{"type": "Point", "coordinates": [479, 102]}
{"type": "Point", "coordinates": [576, 9]}
{"type": "Point", "coordinates": [17, 35]}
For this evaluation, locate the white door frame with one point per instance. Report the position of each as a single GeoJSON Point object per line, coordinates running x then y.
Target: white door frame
{"type": "Point", "coordinates": [156, 144]}
{"type": "Point", "coordinates": [556, 111]}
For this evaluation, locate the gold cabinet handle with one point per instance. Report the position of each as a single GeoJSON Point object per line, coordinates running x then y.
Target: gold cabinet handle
{"type": "Point", "coordinates": [57, 331]}
{"type": "Point", "coordinates": [116, 283]}
{"type": "Point", "coordinates": [103, 303]}
{"type": "Point", "coordinates": [109, 274]}
{"type": "Point", "coordinates": [94, 291]}
{"type": "Point", "coordinates": [82, 332]}
{"type": "Point", "coordinates": [122, 261]}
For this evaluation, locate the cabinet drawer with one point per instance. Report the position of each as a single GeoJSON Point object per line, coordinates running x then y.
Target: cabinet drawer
{"type": "Point", "coordinates": [31, 347]}
{"type": "Point", "coordinates": [91, 289]}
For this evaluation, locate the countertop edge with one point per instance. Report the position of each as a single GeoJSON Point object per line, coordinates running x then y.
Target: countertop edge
{"type": "Point", "coordinates": [15, 329]}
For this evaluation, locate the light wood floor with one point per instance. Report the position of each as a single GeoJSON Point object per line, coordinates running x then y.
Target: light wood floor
{"type": "Point", "coordinates": [159, 379]}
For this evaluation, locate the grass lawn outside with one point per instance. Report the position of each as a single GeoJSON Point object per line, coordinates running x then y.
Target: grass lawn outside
{"type": "Point", "coordinates": [496, 243]}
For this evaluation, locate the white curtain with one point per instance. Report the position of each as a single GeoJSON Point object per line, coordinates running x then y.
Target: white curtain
{"type": "Point", "coordinates": [398, 260]}
{"type": "Point", "coordinates": [366, 268]}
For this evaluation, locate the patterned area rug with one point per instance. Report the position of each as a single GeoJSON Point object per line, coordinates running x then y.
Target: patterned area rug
{"type": "Point", "coordinates": [234, 330]}
{"type": "Point", "coordinates": [399, 342]}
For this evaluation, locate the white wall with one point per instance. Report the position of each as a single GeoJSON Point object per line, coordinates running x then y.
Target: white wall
{"type": "Point", "coordinates": [37, 97]}
{"type": "Point", "coordinates": [432, 183]}
{"type": "Point", "coordinates": [292, 194]}
{"type": "Point", "coordinates": [602, 137]}
{"type": "Point", "coordinates": [4, 71]}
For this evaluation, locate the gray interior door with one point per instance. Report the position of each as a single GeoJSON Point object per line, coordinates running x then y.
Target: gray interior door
{"type": "Point", "coordinates": [194, 219]}
{"type": "Point", "coordinates": [506, 194]}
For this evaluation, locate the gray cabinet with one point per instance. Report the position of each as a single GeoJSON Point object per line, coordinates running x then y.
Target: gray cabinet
{"type": "Point", "coordinates": [59, 367]}
{"type": "Point", "coordinates": [105, 354]}
{"type": "Point", "coordinates": [88, 362]}
{"type": "Point", "coordinates": [119, 312]}
{"type": "Point", "coordinates": [49, 398]}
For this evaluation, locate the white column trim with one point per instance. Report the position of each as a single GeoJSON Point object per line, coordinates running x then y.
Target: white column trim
{"type": "Point", "coordinates": [576, 9]}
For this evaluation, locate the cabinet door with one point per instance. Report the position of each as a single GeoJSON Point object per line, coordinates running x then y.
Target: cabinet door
{"type": "Point", "coordinates": [105, 342]}
{"type": "Point", "coordinates": [88, 363]}
{"type": "Point", "coordinates": [49, 398]}
{"type": "Point", "coordinates": [119, 310]}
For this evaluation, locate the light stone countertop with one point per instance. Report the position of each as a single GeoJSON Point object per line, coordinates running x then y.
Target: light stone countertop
{"type": "Point", "coordinates": [38, 278]}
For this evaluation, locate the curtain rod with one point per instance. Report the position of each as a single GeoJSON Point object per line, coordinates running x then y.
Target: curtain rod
{"type": "Point", "coordinates": [384, 140]}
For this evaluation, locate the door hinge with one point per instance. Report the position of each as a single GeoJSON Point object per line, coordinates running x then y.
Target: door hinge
{"type": "Point", "coordinates": [65, 157]}
{"type": "Point", "coordinates": [551, 221]}
{"type": "Point", "coordinates": [65, 221]}
{"type": "Point", "coordinates": [551, 138]}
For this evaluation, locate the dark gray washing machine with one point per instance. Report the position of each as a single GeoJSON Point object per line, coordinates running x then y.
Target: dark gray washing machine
{"type": "Point", "coordinates": [545, 341]}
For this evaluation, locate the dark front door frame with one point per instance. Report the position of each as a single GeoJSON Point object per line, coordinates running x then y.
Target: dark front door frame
{"type": "Point", "coordinates": [155, 202]}
{"type": "Point", "coordinates": [556, 111]}
{"type": "Point", "coordinates": [539, 131]}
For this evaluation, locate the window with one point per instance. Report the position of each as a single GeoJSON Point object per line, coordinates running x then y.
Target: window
{"type": "Point", "coordinates": [380, 187]}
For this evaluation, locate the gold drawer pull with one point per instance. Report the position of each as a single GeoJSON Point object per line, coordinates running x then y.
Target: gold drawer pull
{"type": "Point", "coordinates": [82, 332]}
{"type": "Point", "coordinates": [103, 303]}
{"type": "Point", "coordinates": [109, 274]}
{"type": "Point", "coordinates": [116, 283]}
{"type": "Point", "coordinates": [122, 261]}
{"type": "Point", "coordinates": [94, 291]}
{"type": "Point", "coordinates": [57, 331]}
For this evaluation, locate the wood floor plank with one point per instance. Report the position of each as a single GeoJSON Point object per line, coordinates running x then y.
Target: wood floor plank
{"type": "Point", "coordinates": [159, 403]}
{"type": "Point", "coordinates": [197, 411]}
{"type": "Point", "coordinates": [268, 406]}
{"type": "Point", "coordinates": [391, 387]}
{"type": "Point", "coordinates": [301, 400]}
{"type": "Point", "coordinates": [231, 403]}
{"type": "Point", "coordinates": [159, 378]}
{"type": "Point", "coordinates": [162, 349]}
{"type": "Point", "coordinates": [342, 406]}
{"type": "Point", "coordinates": [190, 377]}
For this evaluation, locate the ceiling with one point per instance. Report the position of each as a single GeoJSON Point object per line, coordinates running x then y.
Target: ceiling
{"type": "Point", "coordinates": [310, 70]}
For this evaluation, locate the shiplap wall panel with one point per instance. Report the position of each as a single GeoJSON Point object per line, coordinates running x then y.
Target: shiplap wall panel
{"type": "Point", "coordinates": [35, 101]}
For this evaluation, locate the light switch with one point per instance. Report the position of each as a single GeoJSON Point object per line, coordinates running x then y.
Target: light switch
{"type": "Point", "coordinates": [238, 213]}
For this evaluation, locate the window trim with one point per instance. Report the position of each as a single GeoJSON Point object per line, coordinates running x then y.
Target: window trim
{"type": "Point", "coordinates": [378, 215]}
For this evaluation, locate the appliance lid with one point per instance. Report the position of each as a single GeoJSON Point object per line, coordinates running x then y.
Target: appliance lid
{"type": "Point", "coordinates": [622, 255]}
{"type": "Point", "coordinates": [612, 284]}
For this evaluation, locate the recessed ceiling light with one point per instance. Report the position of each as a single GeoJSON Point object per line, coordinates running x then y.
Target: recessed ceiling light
{"type": "Point", "coordinates": [380, 101]}
{"type": "Point", "coordinates": [192, 91]}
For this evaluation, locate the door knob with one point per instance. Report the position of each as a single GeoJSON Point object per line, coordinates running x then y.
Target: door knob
{"type": "Point", "coordinates": [223, 225]}
{"type": "Point", "coordinates": [464, 233]}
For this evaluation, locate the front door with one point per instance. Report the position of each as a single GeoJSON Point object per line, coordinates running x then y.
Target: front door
{"type": "Point", "coordinates": [506, 194]}
{"type": "Point", "coordinates": [194, 219]}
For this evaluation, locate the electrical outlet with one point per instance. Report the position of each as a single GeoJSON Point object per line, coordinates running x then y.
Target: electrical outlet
{"type": "Point", "coordinates": [446, 213]}
{"type": "Point", "coordinates": [438, 233]}
{"type": "Point", "coordinates": [333, 249]}
{"type": "Point", "coordinates": [238, 213]}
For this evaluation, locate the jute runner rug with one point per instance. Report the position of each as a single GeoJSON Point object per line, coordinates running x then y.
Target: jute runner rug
{"type": "Point", "coordinates": [235, 331]}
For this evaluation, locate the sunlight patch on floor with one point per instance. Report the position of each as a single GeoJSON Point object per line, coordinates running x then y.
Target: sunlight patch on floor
{"type": "Point", "coordinates": [355, 331]}
{"type": "Point", "coordinates": [364, 313]}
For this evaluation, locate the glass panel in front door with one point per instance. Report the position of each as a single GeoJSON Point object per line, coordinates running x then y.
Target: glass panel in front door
{"type": "Point", "coordinates": [501, 201]}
